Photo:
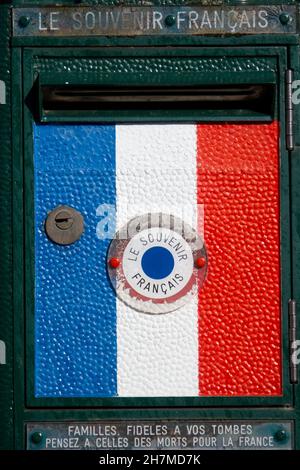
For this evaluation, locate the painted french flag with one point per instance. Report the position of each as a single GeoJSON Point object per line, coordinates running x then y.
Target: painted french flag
{"type": "Point", "coordinates": [226, 340]}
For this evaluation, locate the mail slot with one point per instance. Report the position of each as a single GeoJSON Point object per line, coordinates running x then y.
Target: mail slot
{"type": "Point", "coordinates": [149, 238]}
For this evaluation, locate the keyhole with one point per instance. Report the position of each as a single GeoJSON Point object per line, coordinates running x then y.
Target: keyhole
{"type": "Point", "coordinates": [64, 220]}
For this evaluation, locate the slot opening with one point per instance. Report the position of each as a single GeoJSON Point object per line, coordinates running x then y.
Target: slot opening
{"type": "Point", "coordinates": [255, 98]}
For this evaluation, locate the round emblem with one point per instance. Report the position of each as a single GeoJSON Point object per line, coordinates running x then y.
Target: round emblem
{"type": "Point", "coordinates": [157, 263]}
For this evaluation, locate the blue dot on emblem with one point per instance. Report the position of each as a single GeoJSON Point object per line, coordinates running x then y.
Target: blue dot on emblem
{"type": "Point", "coordinates": [157, 262]}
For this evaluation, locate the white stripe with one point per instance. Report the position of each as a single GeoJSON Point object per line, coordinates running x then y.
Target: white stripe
{"type": "Point", "coordinates": [156, 172]}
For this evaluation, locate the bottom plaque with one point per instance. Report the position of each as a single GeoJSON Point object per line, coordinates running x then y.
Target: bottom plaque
{"type": "Point", "coordinates": [161, 435]}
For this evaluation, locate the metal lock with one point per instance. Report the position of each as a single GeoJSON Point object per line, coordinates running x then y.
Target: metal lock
{"type": "Point", "coordinates": [64, 225]}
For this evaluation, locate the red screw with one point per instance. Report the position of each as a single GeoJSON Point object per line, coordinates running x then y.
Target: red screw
{"type": "Point", "coordinates": [114, 263]}
{"type": "Point", "coordinates": [200, 262]}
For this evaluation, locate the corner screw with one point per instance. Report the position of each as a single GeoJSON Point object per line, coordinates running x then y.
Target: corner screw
{"type": "Point", "coordinates": [170, 20]}
{"type": "Point", "coordinates": [285, 18]}
{"type": "Point", "coordinates": [24, 21]}
{"type": "Point", "coordinates": [36, 437]}
{"type": "Point", "coordinates": [280, 435]}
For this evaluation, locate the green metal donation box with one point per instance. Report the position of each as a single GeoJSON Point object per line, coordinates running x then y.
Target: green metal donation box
{"type": "Point", "coordinates": [150, 224]}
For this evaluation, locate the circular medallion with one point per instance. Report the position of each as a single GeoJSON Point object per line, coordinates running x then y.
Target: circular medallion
{"type": "Point", "coordinates": [153, 263]}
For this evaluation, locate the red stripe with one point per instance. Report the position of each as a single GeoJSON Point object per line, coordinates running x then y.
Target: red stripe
{"type": "Point", "coordinates": [239, 305]}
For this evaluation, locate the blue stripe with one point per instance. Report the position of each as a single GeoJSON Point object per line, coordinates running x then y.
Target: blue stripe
{"type": "Point", "coordinates": [75, 307]}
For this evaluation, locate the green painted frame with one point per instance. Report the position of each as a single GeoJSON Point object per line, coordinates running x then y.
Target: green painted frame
{"type": "Point", "coordinates": [6, 262]}
{"type": "Point", "coordinates": [20, 3]}
{"type": "Point", "coordinates": [286, 399]}
{"type": "Point", "coordinates": [14, 412]}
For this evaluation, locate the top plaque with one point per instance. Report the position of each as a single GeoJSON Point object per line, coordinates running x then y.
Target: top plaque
{"type": "Point", "coordinates": [137, 21]}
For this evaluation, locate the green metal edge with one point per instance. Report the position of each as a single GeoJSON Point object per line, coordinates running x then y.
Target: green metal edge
{"type": "Point", "coordinates": [142, 41]}
{"type": "Point", "coordinates": [203, 401]}
{"type": "Point", "coordinates": [146, 2]}
{"type": "Point", "coordinates": [18, 234]}
{"type": "Point", "coordinates": [285, 240]}
{"type": "Point", "coordinates": [6, 315]}
{"type": "Point", "coordinates": [295, 225]}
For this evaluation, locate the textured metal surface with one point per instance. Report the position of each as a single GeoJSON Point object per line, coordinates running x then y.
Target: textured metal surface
{"type": "Point", "coordinates": [162, 435]}
{"type": "Point", "coordinates": [238, 188]}
{"type": "Point", "coordinates": [156, 172]}
{"type": "Point", "coordinates": [164, 365]}
{"type": "Point", "coordinates": [134, 21]}
{"type": "Point", "coordinates": [6, 316]}
{"type": "Point", "coordinates": [75, 326]}
{"type": "Point", "coordinates": [240, 318]}
{"type": "Point", "coordinates": [121, 66]}
{"type": "Point", "coordinates": [289, 110]}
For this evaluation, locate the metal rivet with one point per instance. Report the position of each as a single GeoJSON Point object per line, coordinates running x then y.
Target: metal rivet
{"type": "Point", "coordinates": [285, 18]}
{"type": "Point", "coordinates": [36, 437]}
{"type": "Point", "coordinates": [114, 263]}
{"type": "Point", "coordinates": [200, 262]}
{"type": "Point", "coordinates": [280, 435]}
{"type": "Point", "coordinates": [170, 20]}
{"type": "Point", "coordinates": [24, 21]}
